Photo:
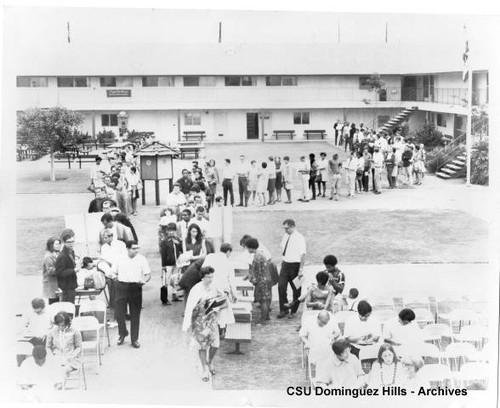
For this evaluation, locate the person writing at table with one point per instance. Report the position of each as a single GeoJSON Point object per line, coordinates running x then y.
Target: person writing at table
{"type": "Point", "coordinates": [363, 329]}
{"type": "Point", "coordinates": [132, 272]}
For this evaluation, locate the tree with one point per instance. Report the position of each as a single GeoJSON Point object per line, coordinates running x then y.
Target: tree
{"type": "Point", "coordinates": [48, 130]}
{"type": "Point", "coordinates": [429, 136]}
{"type": "Point", "coordinates": [378, 85]}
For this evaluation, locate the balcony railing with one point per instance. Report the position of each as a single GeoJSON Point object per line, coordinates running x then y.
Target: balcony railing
{"type": "Point", "coordinates": [448, 96]}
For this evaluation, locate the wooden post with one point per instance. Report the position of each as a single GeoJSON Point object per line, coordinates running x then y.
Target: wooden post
{"type": "Point", "coordinates": [143, 192]}
{"type": "Point", "coordinates": [157, 191]}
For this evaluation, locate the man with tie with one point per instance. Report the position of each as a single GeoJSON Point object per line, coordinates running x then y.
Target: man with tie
{"type": "Point", "coordinates": [293, 246]}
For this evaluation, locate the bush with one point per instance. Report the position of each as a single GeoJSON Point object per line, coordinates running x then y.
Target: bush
{"type": "Point", "coordinates": [435, 159]}
{"type": "Point", "coordinates": [106, 135]}
{"type": "Point", "coordinates": [480, 164]}
{"type": "Point", "coordinates": [429, 136]}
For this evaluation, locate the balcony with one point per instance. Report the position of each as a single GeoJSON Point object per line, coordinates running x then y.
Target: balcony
{"type": "Point", "coordinates": [447, 96]}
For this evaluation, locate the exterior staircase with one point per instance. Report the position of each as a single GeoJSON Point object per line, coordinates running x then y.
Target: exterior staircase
{"type": "Point", "coordinates": [397, 120]}
{"type": "Point", "coordinates": [455, 168]}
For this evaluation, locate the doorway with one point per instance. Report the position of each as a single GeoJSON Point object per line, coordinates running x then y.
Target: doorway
{"type": "Point", "coordinates": [252, 125]}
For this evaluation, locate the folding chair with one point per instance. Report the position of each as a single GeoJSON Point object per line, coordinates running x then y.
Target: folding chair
{"type": "Point", "coordinates": [423, 317]}
{"type": "Point", "coordinates": [89, 328]}
{"type": "Point", "coordinates": [24, 349]}
{"type": "Point", "coordinates": [367, 355]}
{"type": "Point", "coordinates": [458, 318]}
{"type": "Point", "coordinates": [77, 375]}
{"type": "Point", "coordinates": [97, 308]}
{"type": "Point", "coordinates": [457, 353]}
{"type": "Point", "coordinates": [382, 304]}
{"type": "Point", "coordinates": [435, 333]}
{"type": "Point", "coordinates": [57, 307]}
{"type": "Point", "coordinates": [430, 353]}
{"type": "Point", "coordinates": [418, 303]}
{"type": "Point", "coordinates": [341, 317]}
{"type": "Point", "coordinates": [384, 315]}
{"type": "Point", "coordinates": [436, 374]}
{"type": "Point", "coordinates": [472, 373]}
{"type": "Point", "coordinates": [477, 335]}
{"type": "Point", "coordinates": [398, 302]}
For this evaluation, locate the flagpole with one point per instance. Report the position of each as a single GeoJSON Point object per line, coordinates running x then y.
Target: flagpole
{"type": "Point", "coordinates": [468, 135]}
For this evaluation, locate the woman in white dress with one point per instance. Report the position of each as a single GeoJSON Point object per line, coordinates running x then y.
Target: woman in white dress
{"type": "Point", "coordinates": [262, 184]}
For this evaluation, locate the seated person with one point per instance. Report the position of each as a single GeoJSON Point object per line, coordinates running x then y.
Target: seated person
{"type": "Point", "coordinates": [38, 324]}
{"type": "Point", "coordinates": [343, 368]}
{"type": "Point", "coordinates": [352, 300]}
{"type": "Point", "coordinates": [318, 296]}
{"type": "Point", "coordinates": [403, 331]}
{"type": "Point", "coordinates": [318, 337]}
{"type": "Point", "coordinates": [40, 371]}
{"type": "Point", "coordinates": [89, 273]}
{"type": "Point", "coordinates": [176, 198]}
{"type": "Point", "coordinates": [386, 370]}
{"type": "Point", "coordinates": [362, 329]}
{"type": "Point", "coordinates": [412, 366]}
{"type": "Point", "coordinates": [337, 278]}
{"type": "Point", "coordinates": [65, 342]}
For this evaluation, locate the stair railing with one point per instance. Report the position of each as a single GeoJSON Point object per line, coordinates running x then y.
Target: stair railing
{"type": "Point", "coordinates": [451, 150]}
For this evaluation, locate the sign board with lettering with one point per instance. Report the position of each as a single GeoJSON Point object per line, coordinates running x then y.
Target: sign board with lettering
{"type": "Point", "coordinates": [118, 93]}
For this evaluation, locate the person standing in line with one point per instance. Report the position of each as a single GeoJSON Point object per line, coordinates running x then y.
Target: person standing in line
{"type": "Point", "coordinates": [313, 172]}
{"type": "Point", "coordinates": [304, 169]}
{"type": "Point", "coordinates": [227, 181]}
{"type": "Point", "coordinates": [359, 172]}
{"type": "Point", "coordinates": [279, 178]}
{"type": "Point", "coordinates": [286, 173]}
{"type": "Point", "coordinates": [49, 278]}
{"type": "Point", "coordinates": [185, 182]}
{"type": "Point", "coordinates": [392, 168]}
{"type": "Point", "coordinates": [378, 161]}
{"type": "Point", "coordinates": [407, 159]}
{"type": "Point", "coordinates": [350, 138]}
{"type": "Point", "coordinates": [322, 173]}
{"type": "Point", "coordinates": [243, 170]}
{"type": "Point", "coordinates": [253, 178]}
{"type": "Point", "coordinates": [351, 167]}
{"type": "Point", "coordinates": [66, 267]}
{"type": "Point", "coordinates": [334, 167]}
{"type": "Point", "coordinates": [367, 163]}
{"type": "Point", "coordinates": [170, 249]}
{"type": "Point", "coordinates": [271, 183]}
{"type": "Point", "coordinates": [293, 246]}
{"type": "Point", "coordinates": [337, 131]}
{"type": "Point", "coordinates": [212, 178]}
{"type": "Point", "coordinates": [262, 184]}
{"type": "Point", "coordinates": [134, 185]}
{"type": "Point", "coordinates": [132, 272]}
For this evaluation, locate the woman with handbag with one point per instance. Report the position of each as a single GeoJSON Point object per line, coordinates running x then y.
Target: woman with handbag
{"type": "Point", "coordinates": [201, 319]}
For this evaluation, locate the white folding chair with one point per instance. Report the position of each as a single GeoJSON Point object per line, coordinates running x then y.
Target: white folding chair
{"type": "Point", "coordinates": [89, 328]}
{"type": "Point", "coordinates": [384, 315]}
{"type": "Point", "coordinates": [24, 349]}
{"type": "Point", "coordinates": [459, 318]}
{"type": "Point", "coordinates": [382, 304]}
{"type": "Point", "coordinates": [436, 332]}
{"type": "Point", "coordinates": [57, 307]}
{"type": "Point", "coordinates": [341, 317]}
{"type": "Point", "coordinates": [76, 375]}
{"type": "Point", "coordinates": [429, 353]}
{"type": "Point", "coordinates": [457, 353]}
{"type": "Point", "coordinates": [97, 308]}
{"type": "Point", "coordinates": [417, 303]}
{"type": "Point", "coordinates": [475, 334]}
{"type": "Point", "coordinates": [367, 355]}
{"type": "Point", "coordinates": [438, 374]}
{"type": "Point", "coordinates": [423, 317]}
{"type": "Point", "coordinates": [473, 373]}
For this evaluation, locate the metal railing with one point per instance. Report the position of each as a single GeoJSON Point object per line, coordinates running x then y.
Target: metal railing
{"type": "Point", "coordinates": [450, 96]}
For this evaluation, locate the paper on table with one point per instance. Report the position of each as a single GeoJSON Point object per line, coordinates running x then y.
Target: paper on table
{"type": "Point", "coordinates": [298, 282]}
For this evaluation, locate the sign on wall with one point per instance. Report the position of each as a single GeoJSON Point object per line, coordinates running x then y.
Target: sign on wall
{"type": "Point", "coordinates": [118, 93]}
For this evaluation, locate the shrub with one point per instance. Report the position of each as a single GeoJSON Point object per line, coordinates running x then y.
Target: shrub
{"type": "Point", "coordinates": [435, 159]}
{"type": "Point", "coordinates": [480, 164]}
{"type": "Point", "coordinates": [429, 136]}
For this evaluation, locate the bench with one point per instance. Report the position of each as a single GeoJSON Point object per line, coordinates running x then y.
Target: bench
{"type": "Point", "coordinates": [70, 157]}
{"type": "Point", "coordinates": [238, 333]}
{"type": "Point", "coordinates": [196, 136]}
{"type": "Point", "coordinates": [190, 148]}
{"type": "Point", "coordinates": [243, 286]}
{"type": "Point", "coordinates": [314, 133]}
{"type": "Point", "coordinates": [287, 134]}
{"type": "Point", "coordinates": [242, 312]}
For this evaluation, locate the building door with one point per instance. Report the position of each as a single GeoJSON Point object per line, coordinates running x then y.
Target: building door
{"type": "Point", "coordinates": [459, 127]}
{"type": "Point", "coordinates": [409, 88]}
{"type": "Point", "coordinates": [429, 88]}
{"type": "Point", "coordinates": [252, 125]}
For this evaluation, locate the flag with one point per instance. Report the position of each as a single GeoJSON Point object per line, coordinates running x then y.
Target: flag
{"type": "Point", "coordinates": [465, 59]}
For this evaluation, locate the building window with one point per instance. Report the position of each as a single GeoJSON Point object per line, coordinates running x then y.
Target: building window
{"type": "Point", "coordinates": [238, 81]}
{"type": "Point", "coordinates": [281, 81]}
{"type": "Point", "coordinates": [107, 82]}
{"type": "Point", "coordinates": [192, 119]}
{"type": "Point", "coordinates": [199, 80]}
{"type": "Point", "coordinates": [72, 82]}
{"type": "Point", "coordinates": [32, 82]}
{"type": "Point", "coordinates": [301, 118]}
{"type": "Point", "coordinates": [109, 119]}
{"type": "Point", "coordinates": [441, 120]}
{"type": "Point", "coordinates": [157, 81]}
{"type": "Point", "coordinates": [124, 82]}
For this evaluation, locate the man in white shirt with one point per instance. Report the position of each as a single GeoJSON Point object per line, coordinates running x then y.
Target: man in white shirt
{"type": "Point", "coordinates": [97, 173]}
{"type": "Point", "coordinates": [304, 168]}
{"type": "Point", "coordinates": [176, 198]}
{"type": "Point", "coordinates": [200, 220]}
{"type": "Point", "coordinates": [243, 171]}
{"type": "Point", "coordinates": [378, 161]}
{"type": "Point", "coordinates": [41, 371]}
{"type": "Point", "coordinates": [343, 369]}
{"type": "Point", "coordinates": [132, 272]}
{"type": "Point", "coordinates": [362, 329]}
{"type": "Point", "coordinates": [228, 175]}
{"type": "Point", "coordinates": [293, 247]}
{"type": "Point", "coordinates": [403, 332]}
{"type": "Point", "coordinates": [350, 168]}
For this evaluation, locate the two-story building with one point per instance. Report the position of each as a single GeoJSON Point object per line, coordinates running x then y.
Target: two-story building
{"type": "Point", "coordinates": [245, 92]}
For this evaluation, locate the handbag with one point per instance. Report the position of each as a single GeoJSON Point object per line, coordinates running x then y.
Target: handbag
{"type": "Point", "coordinates": [273, 272]}
{"type": "Point", "coordinates": [89, 283]}
{"type": "Point", "coordinates": [318, 178]}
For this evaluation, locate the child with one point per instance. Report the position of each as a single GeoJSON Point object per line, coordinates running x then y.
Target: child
{"type": "Point", "coordinates": [170, 249]}
{"type": "Point", "coordinates": [38, 323]}
{"type": "Point", "coordinates": [351, 301]}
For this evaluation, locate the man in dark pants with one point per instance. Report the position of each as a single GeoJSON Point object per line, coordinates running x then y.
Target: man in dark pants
{"type": "Point", "coordinates": [132, 272]}
{"type": "Point", "coordinates": [243, 170]}
{"type": "Point", "coordinates": [293, 247]}
{"type": "Point", "coordinates": [227, 181]}
{"type": "Point", "coordinates": [65, 267]}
